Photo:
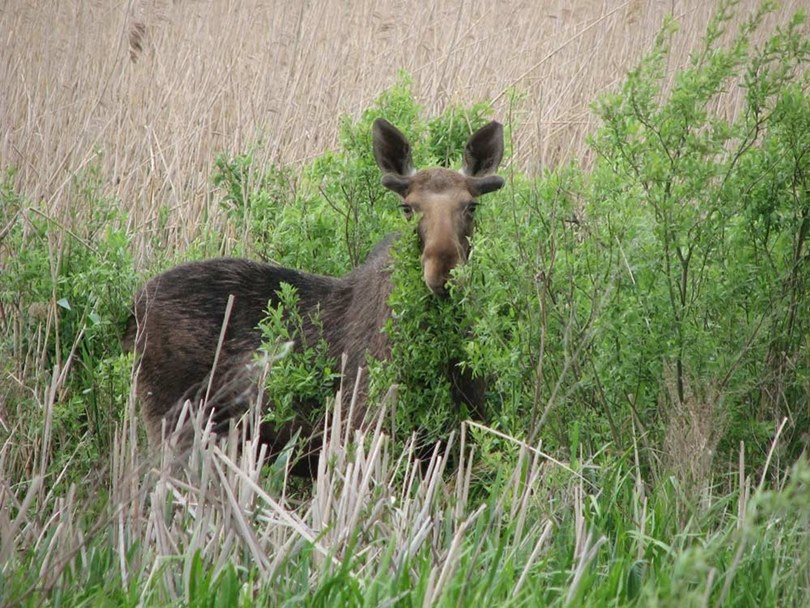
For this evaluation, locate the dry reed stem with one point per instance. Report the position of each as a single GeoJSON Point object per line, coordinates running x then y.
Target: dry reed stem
{"type": "Point", "coordinates": [694, 429]}
{"type": "Point", "coordinates": [151, 90]}
{"type": "Point", "coordinates": [216, 504]}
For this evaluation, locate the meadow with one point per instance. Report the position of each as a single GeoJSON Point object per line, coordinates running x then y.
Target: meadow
{"type": "Point", "coordinates": [636, 300]}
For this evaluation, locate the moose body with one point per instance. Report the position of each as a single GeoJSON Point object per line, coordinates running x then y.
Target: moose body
{"type": "Point", "coordinates": [179, 315]}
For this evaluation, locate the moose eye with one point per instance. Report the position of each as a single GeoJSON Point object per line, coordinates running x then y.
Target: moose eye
{"type": "Point", "coordinates": [407, 210]}
{"type": "Point", "coordinates": [470, 207]}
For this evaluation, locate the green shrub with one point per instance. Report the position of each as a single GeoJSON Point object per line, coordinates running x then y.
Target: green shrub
{"type": "Point", "coordinates": [306, 375]}
{"type": "Point", "coordinates": [659, 295]}
{"type": "Point", "coordinates": [65, 291]}
{"type": "Point", "coordinates": [702, 281]}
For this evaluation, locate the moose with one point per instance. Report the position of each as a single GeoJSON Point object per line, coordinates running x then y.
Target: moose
{"type": "Point", "coordinates": [188, 350]}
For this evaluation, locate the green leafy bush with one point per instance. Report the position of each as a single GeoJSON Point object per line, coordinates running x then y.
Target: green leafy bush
{"type": "Point", "coordinates": [306, 375]}
{"type": "Point", "coordinates": [702, 280]}
{"type": "Point", "coordinates": [658, 295]}
{"type": "Point", "coordinates": [66, 287]}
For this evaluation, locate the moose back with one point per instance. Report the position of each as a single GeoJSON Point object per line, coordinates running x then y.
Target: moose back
{"type": "Point", "coordinates": [179, 315]}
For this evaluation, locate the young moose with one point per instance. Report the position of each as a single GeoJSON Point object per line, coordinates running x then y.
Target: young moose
{"type": "Point", "coordinates": [179, 314]}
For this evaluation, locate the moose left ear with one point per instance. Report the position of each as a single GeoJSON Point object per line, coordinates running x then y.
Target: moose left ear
{"type": "Point", "coordinates": [483, 185]}
{"type": "Point", "coordinates": [484, 151]}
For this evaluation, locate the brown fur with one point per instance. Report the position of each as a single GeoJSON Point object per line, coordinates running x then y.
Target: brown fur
{"type": "Point", "coordinates": [179, 314]}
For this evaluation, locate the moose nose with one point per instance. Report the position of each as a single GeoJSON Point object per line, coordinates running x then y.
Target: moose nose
{"type": "Point", "coordinates": [438, 288]}
{"type": "Point", "coordinates": [436, 271]}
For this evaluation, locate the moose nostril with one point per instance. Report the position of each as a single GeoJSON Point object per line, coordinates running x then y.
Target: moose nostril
{"type": "Point", "coordinates": [436, 274]}
{"type": "Point", "coordinates": [438, 289]}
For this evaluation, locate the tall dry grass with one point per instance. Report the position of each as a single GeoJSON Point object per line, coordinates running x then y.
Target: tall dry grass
{"type": "Point", "coordinates": [151, 90]}
{"type": "Point", "coordinates": [368, 507]}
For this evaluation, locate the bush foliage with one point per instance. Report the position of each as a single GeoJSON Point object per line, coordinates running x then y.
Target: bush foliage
{"type": "Point", "coordinates": [657, 296]}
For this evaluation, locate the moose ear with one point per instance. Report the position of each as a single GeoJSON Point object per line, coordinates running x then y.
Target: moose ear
{"type": "Point", "coordinates": [483, 185]}
{"type": "Point", "coordinates": [391, 149]}
{"type": "Point", "coordinates": [483, 151]}
{"type": "Point", "coordinates": [396, 183]}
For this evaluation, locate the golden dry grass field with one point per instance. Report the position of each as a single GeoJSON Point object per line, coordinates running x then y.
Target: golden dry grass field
{"type": "Point", "coordinates": [150, 91]}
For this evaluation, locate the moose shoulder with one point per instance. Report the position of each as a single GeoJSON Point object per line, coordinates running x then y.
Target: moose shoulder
{"type": "Point", "coordinates": [179, 315]}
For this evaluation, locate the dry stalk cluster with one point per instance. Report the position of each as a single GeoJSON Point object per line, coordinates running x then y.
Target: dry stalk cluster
{"type": "Point", "coordinates": [369, 504]}
{"type": "Point", "coordinates": [151, 91]}
{"type": "Point", "coordinates": [695, 426]}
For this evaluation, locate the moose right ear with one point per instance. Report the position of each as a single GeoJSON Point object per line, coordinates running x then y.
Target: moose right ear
{"type": "Point", "coordinates": [391, 150]}
{"type": "Point", "coordinates": [396, 183]}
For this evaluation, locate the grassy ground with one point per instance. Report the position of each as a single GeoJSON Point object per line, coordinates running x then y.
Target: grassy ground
{"type": "Point", "coordinates": [113, 119]}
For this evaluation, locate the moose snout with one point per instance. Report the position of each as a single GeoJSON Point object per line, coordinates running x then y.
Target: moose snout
{"type": "Point", "coordinates": [436, 267]}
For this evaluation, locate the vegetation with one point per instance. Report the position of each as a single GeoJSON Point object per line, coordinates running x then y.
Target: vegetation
{"type": "Point", "coordinates": [641, 323]}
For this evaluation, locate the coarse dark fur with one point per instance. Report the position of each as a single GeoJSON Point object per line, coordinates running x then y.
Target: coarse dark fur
{"type": "Point", "coordinates": [179, 315]}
